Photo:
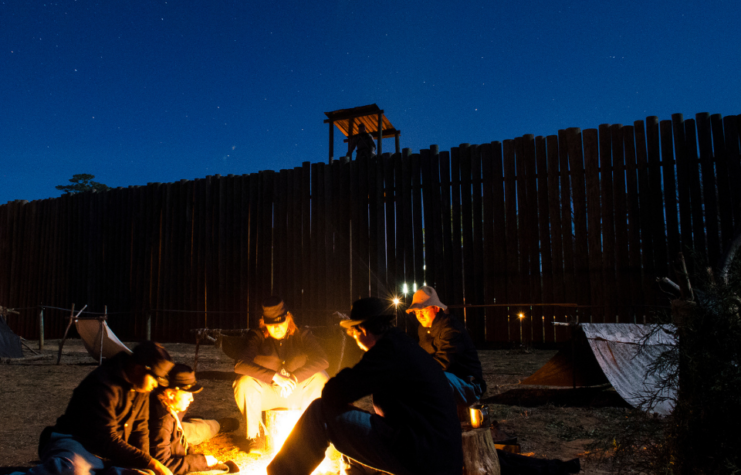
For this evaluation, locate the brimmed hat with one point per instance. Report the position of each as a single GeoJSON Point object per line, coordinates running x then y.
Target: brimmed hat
{"type": "Point", "coordinates": [183, 377]}
{"type": "Point", "coordinates": [155, 359]}
{"type": "Point", "coordinates": [273, 311]}
{"type": "Point", "coordinates": [368, 309]}
{"type": "Point", "coordinates": [425, 297]}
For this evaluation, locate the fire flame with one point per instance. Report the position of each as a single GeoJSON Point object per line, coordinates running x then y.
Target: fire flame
{"type": "Point", "coordinates": [278, 431]}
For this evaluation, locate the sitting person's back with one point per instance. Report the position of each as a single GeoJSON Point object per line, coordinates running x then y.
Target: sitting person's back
{"type": "Point", "coordinates": [415, 429]}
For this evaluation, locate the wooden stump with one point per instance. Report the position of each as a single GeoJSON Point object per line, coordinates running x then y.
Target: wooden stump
{"type": "Point", "coordinates": [479, 453]}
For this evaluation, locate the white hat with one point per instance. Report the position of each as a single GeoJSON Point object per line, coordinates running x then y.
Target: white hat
{"type": "Point", "coordinates": [426, 297]}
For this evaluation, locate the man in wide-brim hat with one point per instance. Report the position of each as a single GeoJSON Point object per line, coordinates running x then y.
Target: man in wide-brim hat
{"type": "Point", "coordinates": [415, 429]}
{"type": "Point", "coordinates": [446, 339]}
{"type": "Point", "coordinates": [281, 366]}
{"type": "Point", "coordinates": [170, 436]}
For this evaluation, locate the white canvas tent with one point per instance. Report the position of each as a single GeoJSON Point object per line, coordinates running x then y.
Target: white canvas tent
{"type": "Point", "coordinates": [97, 336]}
{"type": "Point", "coordinates": [618, 353]}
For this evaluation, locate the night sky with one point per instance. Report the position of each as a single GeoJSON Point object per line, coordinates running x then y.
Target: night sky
{"type": "Point", "coordinates": [157, 91]}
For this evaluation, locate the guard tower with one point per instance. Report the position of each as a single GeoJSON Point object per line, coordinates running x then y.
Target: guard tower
{"type": "Point", "coordinates": [348, 120]}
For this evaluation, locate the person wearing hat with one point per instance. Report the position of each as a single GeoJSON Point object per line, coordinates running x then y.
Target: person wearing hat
{"type": "Point", "coordinates": [415, 428]}
{"type": "Point", "coordinates": [169, 436]}
{"type": "Point", "coordinates": [446, 339]}
{"type": "Point", "coordinates": [364, 142]}
{"type": "Point", "coordinates": [281, 366]}
{"type": "Point", "coordinates": [108, 418]}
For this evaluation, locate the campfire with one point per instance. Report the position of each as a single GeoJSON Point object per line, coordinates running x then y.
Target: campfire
{"type": "Point", "coordinates": [278, 426]}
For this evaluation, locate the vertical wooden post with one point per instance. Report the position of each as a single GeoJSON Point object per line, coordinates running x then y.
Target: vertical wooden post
{"type": "Point", "coordinates": [61, 343]}
{"type": "Point", "coordinates": [199, 335]}
{"type": "Point", "coordinates": [350, 128]}
{"type": "Point", "coordinates": [102, 333]}
{"type": "Point", "coordinates": [380, 135]}
{"type": "Point", "coordinates": [331, 142]}
{"type": "Point", "coordinates": [396, 140]}
{"type": "Point", "coordinates": [149, 326]}
{"type": "Point", "coordinates": [41, 328]}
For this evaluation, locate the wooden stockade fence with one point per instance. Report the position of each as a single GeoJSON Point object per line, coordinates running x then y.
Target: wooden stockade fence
{"type": "Point", "coordinates": [589, 217]}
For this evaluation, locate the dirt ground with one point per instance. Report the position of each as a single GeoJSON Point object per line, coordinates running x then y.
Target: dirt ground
{"type": "Point", "coordinates": [34, 393]}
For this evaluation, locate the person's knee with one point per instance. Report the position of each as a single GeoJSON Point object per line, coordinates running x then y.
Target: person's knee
{"type": "Point", "coordinates": [245, 384]}
{"type": "Point", "coordinates": [318, 380]}
{"type": "Point", "coordinates": [315, 406]}
{"type": "Point", "coordinates": [66, 462]}
{"type": "Point", "coordinates": [77, 465]}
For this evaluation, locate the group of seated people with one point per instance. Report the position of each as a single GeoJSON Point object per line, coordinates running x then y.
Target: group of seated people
{"type": "Point", "coordinates": [127, 416]}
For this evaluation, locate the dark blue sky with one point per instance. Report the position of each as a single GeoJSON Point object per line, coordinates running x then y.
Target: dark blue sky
{"type": "Point", "coordinates": [156, 91]}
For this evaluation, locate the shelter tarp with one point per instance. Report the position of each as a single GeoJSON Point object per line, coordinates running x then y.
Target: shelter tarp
{"type": "Point", "coordinates": [10, 343]}
{"type": "Point", "coordinates": [614, 353]}
{"type": "Point", "coordinates": [89, 330]}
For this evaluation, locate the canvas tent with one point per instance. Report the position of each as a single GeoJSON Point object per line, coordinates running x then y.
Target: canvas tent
{"type": "Point", "coordinates": [10, 343]}
{"type": "Point", "coordinates": [90, 332]}
{"type": "Point", "coordinates": [618, 353]}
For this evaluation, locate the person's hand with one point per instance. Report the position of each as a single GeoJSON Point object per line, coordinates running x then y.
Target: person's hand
{"type": "Point", "coordinates": [286, 383]}
{"type": "Point", "coordinates": [157, 467]}
{"type": "Point", "coordinates": [211, 461]}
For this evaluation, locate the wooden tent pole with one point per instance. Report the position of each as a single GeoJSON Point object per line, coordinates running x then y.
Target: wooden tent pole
{"type": "Point", "coordinates": [61, 343]}
{"type": "Point", "coordinates": [72, 318]}
{"type": "Point", "coordinates": [41, 328]}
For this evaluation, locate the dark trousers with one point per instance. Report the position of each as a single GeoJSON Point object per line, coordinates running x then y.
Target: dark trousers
{"type": "Point", "coordinates": [63, 455]}
{"type": "Point", "coordinates": [362, 436]}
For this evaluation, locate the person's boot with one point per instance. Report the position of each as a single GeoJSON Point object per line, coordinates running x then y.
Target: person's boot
{"type": "Point", "coordinates": [258, 445]}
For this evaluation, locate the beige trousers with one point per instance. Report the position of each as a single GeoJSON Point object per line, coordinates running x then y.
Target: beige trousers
{"type": "Point", "coordinates": [253, 396]}
{"type": "Point", "coordinates": [199, 430]}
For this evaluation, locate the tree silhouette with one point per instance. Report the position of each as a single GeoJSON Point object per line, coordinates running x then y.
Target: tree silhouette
{"type": "Point", "coordinates": [82, 182]}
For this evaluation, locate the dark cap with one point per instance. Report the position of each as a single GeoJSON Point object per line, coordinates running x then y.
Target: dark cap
{"type": "Point", "coordinates": [155, 359]}
{"type": "Point", "coordinates": [273, 311]}
{"type": "Point", "coordinates": [370, 308]}
{"type": "Point", "coordinates": [183, 377]}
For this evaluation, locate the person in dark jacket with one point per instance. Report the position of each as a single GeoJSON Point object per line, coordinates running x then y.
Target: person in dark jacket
{"type": "Point", "coordinates": [169, 436]}
{"type": "Point", "coordinates": [108, 418]}
{"type": "Point", "coordinates": [281, 366]}
{"type": "Point", "coordinates": [415, 429]}
{"type": "Point", "coordinates": [444, 337]}
{"type": "Point", "coordinates": [364, 142]}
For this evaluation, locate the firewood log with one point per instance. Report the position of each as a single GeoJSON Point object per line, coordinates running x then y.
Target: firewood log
{"type": "Point", "coordinates": [479, 453]}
